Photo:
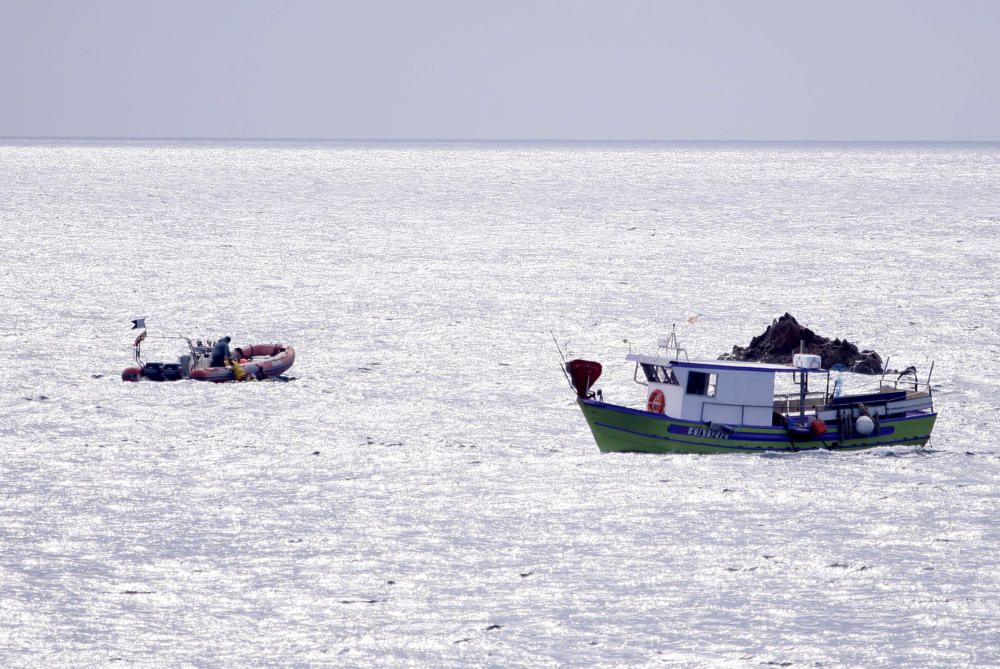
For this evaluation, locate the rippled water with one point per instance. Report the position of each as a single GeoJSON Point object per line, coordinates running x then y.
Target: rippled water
{"type": "Point", "coordinates": [425, 492]}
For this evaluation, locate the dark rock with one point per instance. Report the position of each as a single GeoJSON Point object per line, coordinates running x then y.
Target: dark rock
{"type": "Point", "coordinates": [780, 341]}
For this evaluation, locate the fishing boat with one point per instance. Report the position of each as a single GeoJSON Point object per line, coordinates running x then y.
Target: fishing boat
{"type": "Point", "coordinates": [254, 362]}
{"type": "Point", "coordinates": [718, 406]}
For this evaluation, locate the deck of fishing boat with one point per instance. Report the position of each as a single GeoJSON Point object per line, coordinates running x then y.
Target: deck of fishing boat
{"type": "Point", "coordinates": [819, 402]}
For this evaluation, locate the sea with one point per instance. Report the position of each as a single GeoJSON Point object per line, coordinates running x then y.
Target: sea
{"type": "Point", "coordinates": [422, 490]}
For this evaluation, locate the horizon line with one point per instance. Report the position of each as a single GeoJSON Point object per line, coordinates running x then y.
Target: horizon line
{"type": "Point", "coordinates": [468, 140]}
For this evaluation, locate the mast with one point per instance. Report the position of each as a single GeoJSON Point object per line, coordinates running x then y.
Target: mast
{"type": "Point", "coordinates": [803, 382]}
{"type": "Point", "coordinates": [671, 344]}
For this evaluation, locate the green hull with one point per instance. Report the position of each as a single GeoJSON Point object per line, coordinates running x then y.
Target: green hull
{"type": "Point", "coordinates": [620, 429]}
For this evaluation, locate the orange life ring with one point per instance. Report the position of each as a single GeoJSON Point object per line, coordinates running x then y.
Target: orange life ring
{"type": "Point", "coordinates": [656, 401]}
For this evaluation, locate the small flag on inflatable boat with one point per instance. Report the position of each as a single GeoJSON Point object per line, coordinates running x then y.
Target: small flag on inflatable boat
{"type": "Point", "coordinates": [139, 323]}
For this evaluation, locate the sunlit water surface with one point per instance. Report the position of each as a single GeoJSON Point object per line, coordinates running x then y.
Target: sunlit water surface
{"type": "Point", "coordinates": [426, 492]}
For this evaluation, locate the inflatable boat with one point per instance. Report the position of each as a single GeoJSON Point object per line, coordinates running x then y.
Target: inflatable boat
{"type": "Point", "coordinates": [253, 362]}
{"type": "Point", "coordinates": [258, 361]}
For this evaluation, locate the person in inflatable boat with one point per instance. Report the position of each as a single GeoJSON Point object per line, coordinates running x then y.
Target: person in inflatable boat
{"type": "Point", "coordinates": [220, 352]}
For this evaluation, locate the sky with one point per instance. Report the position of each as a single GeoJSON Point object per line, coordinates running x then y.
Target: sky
{"type": "Point", "coordinates": [502, 69]}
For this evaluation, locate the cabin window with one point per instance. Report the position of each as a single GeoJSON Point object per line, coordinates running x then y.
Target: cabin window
{"type": "Point", "coordinates": [701, 383]}
{"type": "Point", "coordinates": [658, 374]}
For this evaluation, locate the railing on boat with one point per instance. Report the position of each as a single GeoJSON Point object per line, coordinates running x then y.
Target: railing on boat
{"type": "Point", "coordinates": [787, 403]}
{"type": "Point", "coordinates": [906, 381]}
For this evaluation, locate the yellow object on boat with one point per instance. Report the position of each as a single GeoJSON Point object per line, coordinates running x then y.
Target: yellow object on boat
{"type": "Point", "coordinates": [237, 370]}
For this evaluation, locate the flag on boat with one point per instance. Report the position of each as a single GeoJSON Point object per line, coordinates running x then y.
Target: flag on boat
{"type": "Point", "coordinates": [139, 323]}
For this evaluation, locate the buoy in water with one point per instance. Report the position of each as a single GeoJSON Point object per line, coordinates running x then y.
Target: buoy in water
{"type": "Point", "coordinates": [864, 426]}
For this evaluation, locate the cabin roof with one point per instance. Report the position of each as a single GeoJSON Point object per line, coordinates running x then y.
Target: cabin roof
{"type": "Point", "coordinates": [727, 365]}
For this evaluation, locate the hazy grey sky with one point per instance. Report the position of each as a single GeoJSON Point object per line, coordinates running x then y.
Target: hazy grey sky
{"type": "Point", "coordinates": [503, 69]}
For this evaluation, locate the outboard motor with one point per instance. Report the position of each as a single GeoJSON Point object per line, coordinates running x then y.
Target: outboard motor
{"type": "Point", "coordinates": [162, 371]}
{"type": "Point", "coordinates": [172, 371]}
{"type": "Point", "coordinates": [153, 371]}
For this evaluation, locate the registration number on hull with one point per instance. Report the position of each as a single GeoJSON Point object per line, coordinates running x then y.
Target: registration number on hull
{"type": "Point", "coordinates": [705, 432]}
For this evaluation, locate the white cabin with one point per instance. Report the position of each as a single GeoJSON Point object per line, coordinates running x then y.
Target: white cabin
{"type": "Point", "coordinates": [717, 391]}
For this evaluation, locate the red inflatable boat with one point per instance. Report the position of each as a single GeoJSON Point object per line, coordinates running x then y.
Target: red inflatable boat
{"type": "Point", "coordinates": [254, 362]}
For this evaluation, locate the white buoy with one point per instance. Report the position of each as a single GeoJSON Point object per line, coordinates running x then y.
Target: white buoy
{"type": "Point", "coordinates": [864, 426]}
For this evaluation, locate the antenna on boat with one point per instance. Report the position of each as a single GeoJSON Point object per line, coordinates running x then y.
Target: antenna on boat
{"type": "Point", "coordinates": [139, 323]}
{"type": "Point", "coordinates": [563, 357]}
{"type": "Point", "coordinates": [885, 370]}
{"type": "Point", "coordinates": [671, 344]}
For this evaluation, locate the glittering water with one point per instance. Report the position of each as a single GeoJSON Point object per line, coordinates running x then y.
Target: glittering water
{"type": "Point", "coordinates": [425, 492]}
